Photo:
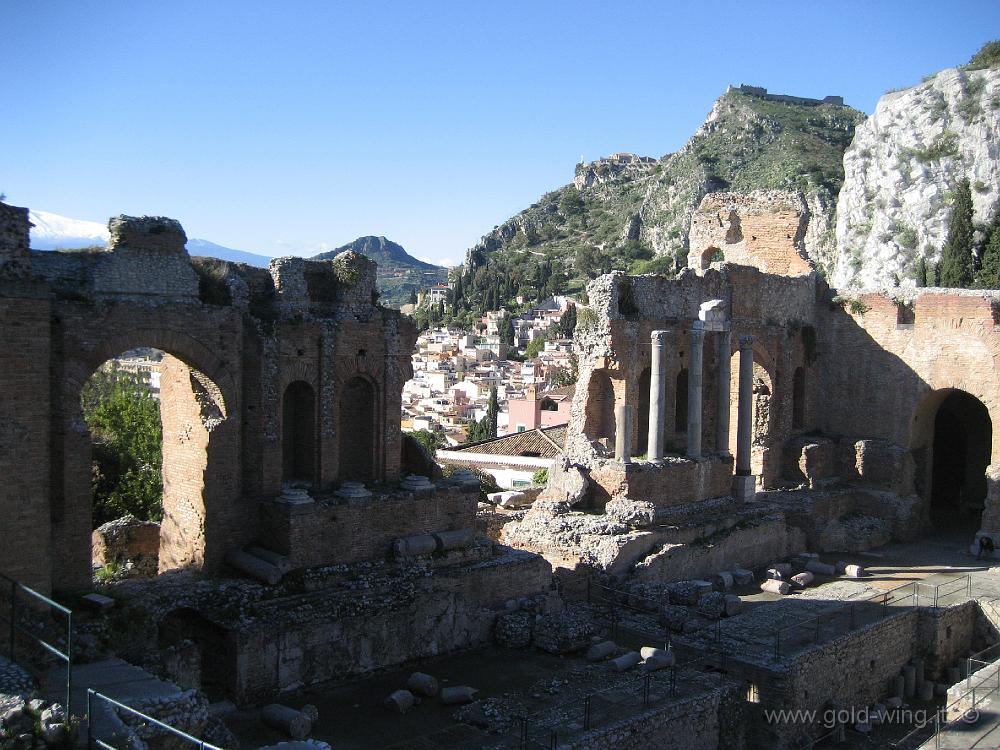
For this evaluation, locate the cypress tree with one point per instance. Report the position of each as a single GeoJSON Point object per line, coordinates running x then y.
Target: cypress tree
{"type": "Point", "coordinates": [989, 272]}
{"type": "Point", "coordinates": [921, 273]}
{"type": "Point", "coordinates": [956, 267]}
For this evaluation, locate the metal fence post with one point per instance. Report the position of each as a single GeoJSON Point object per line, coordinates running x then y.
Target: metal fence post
{"type": "Point", "coordinates": [69, 665]}
{"type": "Point", "coordinates": [90, 717]}
{"type": "Point", "coordinates": [13, 617]}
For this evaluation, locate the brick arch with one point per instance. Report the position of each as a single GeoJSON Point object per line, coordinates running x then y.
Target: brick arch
{"type": "Point", "coordinates": [78, 368]}
{"type": "Point", "coordinates": [298, 432]}
{"type": "Point", "coordinates": [201, 466]}
{"type": "Point", "coordinates": [925, 442]}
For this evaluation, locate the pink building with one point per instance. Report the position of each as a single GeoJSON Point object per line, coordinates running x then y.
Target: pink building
{"type": "Point", "coordinates": [532, 412]}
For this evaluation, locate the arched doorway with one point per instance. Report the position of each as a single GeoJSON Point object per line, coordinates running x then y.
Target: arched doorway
{"type": "Point", "coordinates": [600, 419]}
{"type": "Point", "coordinates": [960, 453]}
{"type": "Point", "coordinates": [155, 428]}
{"type": "Point", "coordinates": [298, 433]}
{"type": "Point", "coordinates": [358, 461]}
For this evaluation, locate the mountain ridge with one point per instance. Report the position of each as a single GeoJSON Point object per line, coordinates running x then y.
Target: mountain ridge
{"type": "Point", "coordinates": [633, 212]}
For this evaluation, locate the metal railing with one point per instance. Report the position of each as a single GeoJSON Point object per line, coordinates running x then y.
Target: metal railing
{"type": "Point", "coordinates": [850, 615]}
{"type": "Point", "coordinates": [961, 585]}
{"type": "Point", "coordinates": [16, 628]}
{"type": "Point", "coordinates": [968, 713]}
{"type": "Point", "coordinates": [116, 707]}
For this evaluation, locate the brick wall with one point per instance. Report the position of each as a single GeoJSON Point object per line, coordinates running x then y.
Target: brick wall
{"type": "Point", "coordinates": [765, 229]}
{"type": "Point", "coordinates": [25, 546]}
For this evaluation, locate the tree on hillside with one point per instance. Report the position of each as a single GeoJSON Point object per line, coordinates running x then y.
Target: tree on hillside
{"type": "Point", "coordinates": [567, 323]}
{"type": "Point", "coordinates": [988, 56]}
{"type": "Point", "coordinates": [989, 270]}
{"type": "Point", "coordinates": [492, 412]}
{"type": "Point", "coordinates": [957, 267]}
{"type": "Point", "coordinates": [124, 421]}
{"type": "Point", "coordinates": [535, 347]}
{"type": "Point", "coordinates": [920, 273]}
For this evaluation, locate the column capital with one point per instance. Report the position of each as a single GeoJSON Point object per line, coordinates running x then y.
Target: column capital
{"type": "Point", "coordinates": [746, 341]}
{"type": "Point", "coordinates": [658, 336]}
{"type": "Point", "coordinates": [697, 330]}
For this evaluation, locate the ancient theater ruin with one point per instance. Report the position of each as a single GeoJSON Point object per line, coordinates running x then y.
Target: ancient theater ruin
{"type": "Point", "coordinates": [737, 428]}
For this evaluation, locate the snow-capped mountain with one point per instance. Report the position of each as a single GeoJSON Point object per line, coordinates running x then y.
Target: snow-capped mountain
{"type": "Point", "coordinates": [52, 232]}
{"type": "Point", "coordinates": [55, 232]}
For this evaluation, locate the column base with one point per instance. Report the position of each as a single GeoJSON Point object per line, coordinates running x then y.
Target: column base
{"type": "Point", "coordinates": [744, 488]}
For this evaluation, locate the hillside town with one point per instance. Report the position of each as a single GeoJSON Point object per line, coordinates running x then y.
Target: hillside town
{"type": "Point", "coordinates": [525, 359]}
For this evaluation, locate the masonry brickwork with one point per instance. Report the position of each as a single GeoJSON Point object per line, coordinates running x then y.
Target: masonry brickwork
{"type": "Point", "coordinates": [765, 229]}
{"type": "Point", "coordinates": [844, 399]}
{"type": "Point", "coordinates": [237, 337]}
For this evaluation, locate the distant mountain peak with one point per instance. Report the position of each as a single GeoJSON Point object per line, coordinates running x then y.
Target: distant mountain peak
{"type": "Point", "coordinates": [383, 251]}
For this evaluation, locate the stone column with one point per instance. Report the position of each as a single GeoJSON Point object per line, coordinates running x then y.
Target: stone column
{"type": "Point", "coordinates": [657, 396]}
{"type": "Point", "coordinates": [623, 432]}
{"type": "Point", "coordinates": [744, 483]}
{"type": "Point", "coordinates": [724, 344]}
{"type": "Point", "coordinates": [697, 333]}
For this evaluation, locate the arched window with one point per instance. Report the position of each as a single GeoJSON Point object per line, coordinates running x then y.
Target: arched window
{"type": "Point", "coordinates": [710, 256]}
{"type": "Point", "coordinates": [358, 430]}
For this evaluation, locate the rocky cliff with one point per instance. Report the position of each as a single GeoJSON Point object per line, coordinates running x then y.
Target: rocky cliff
{"type": "Point", "coordinates": [901, 171]}
{"type": "Point", "coordinates": [633, 212]}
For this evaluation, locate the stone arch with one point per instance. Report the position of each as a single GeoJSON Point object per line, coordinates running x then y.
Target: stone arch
{"type": "Point", "coordinates": [599, 422]}
{"type": "Point", "coordinates": [200, 454]}
{"type": "Point", "coordinates": [952, 448]}
{"type": "Point", "coordinates": [710, 255]}
{"type": "Point", "coordinates": [359, 455]}
{"type": "Point", "coordinates": [298, 432]}
{"type": "Point", "coordinates": [799, 398]}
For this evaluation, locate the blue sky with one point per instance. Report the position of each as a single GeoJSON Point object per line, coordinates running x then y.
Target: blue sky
{"type": "Point", "coordinates": [294, 127]}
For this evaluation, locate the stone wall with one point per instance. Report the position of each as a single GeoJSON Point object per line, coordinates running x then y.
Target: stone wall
{"type": "Point", "coordinates": [705, 721]}
{"type": "Point", "coordinates": [454, 610]}
{"type": "Point", "coordinates": [887, 364]}
{"type": "Point", "coordinates": [765, 229]}
{"type": "Point", "coordinates": [237, 338]}
{"type": "Point", "coordinates": [14, 232]}
{"type": "Point", "coordinates": [326, 533]}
